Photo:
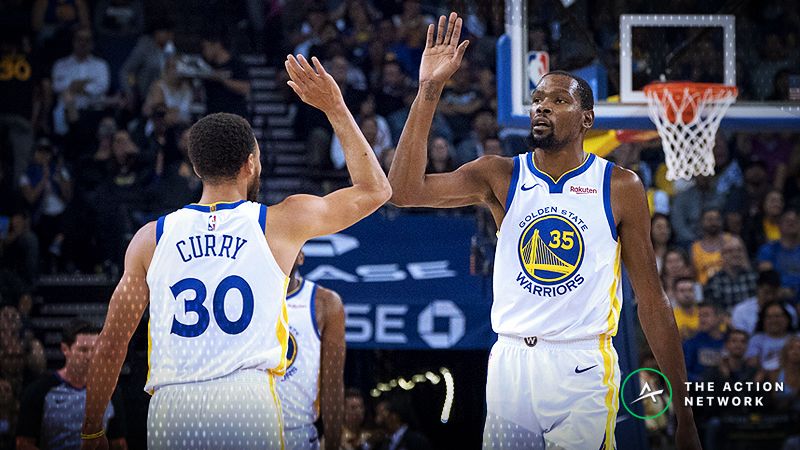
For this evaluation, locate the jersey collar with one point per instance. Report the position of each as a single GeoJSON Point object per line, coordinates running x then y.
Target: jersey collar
{"type": "Point", "coordinates": [557, 186]}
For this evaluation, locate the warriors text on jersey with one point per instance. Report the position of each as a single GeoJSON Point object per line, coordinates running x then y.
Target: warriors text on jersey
{"type": "Point", "coordinates": [299, 386]}
{"type": "Point", "coordinates": [557, 263]}
{"type": "Point", "coordinates": [217, 296]}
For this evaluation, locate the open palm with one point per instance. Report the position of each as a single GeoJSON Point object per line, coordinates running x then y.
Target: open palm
{"type": "Point", "coordinates": [443, 54]}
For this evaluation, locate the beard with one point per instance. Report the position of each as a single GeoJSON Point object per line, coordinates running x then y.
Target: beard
{"type": "Point", "coordinates": [546, 142]}
{"type": "Point", "coordinates": [253, 188]}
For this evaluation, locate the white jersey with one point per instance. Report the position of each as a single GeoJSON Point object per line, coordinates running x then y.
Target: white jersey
{"type": "Point", "coordinates": [557, 262]}
{"type": "Point", "coordinates": [217, 296]}
{"type": "Point", "coordinates": [299, 387]}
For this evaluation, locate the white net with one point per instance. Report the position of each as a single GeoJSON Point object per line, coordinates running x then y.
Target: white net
{"type": "Point", "coordinates": [687, 116]}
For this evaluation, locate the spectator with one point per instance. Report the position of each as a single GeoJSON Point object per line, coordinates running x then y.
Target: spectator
{"type": "Point", "coordinates": [21, 354]}
{"type": "Point", "coordinates": [690, 206]}
{"type": "Point", "coordinates": [174, 92]}
{"type": "Point", "coordinates": [228, 86]}
{"type": "Point", "coordinates": [440, 159]}
{"type": "Point", "coordinates": [81, 75]}
{"type": "Point", "coordinates": [19, 252]}
{"type": "Point", "coordinates": [687, 315]}
{"type": "Point", "coordinates": [118, 18]}
{"type": "Point", "coordinates": [660, 236]}
{"type": "Point", "coordinates": [736, 281]}
{"type": "Point", "coordinates": [354, 435]}
{"type": "Point", "coordinates": [704, 350]}
{"type": "Point", "coordinates": [742, 204]}
{"type": "Point", "coordinates": [52, 408]}
{"type": "Point", "coordinates": [394, 415]}
{"type": "Point", "coordinates": [460, 102]}
{"type": "Point", "coordinates": [146, 62]}
{"type": "Point", "coordinates": [397, 119]}
{"type": "Point", "coordinates": [727, 170]}
{"type": "Point", "coordinates": [392, 89]}
{"type": "Point", "coordinates": [707, 251]}
{"type": "Point", "coordinates": [676, 265]}
{"type": "Point", "coordinates": [53, 22]}
{"type": "Point", "coordinates": [22, 90]}
{"type": "Point", "coordinates": [789, 374]}
{"type": "Point", "coordinates": [492, 146]}
{"type": "Point", "coordinates": [783, 255]}
{"type": "Point", "coordinates": [483, 125]}
{"type": "Point", "coordinates": [745, 315]}
{"type": "Point", "coordinates": [369, 127]}
{"type": "Point", "coordinates": [766, 225]}
{"type": "Point", "coordinates": [772, 331]}
{"type": "Point", "coordinates": [47, 188]}
{"type": "Point", "coordinates": [310, 31]}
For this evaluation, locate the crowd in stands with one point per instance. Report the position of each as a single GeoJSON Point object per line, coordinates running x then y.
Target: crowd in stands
{"type": "Point", "coordinates": [98, 97]}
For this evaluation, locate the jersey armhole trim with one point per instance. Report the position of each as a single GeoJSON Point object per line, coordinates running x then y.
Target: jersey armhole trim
{"type": "Point", "coordinates": [313, 310]}
{"type": "Point", "coordinates": [159, 228]}
{"type": "Point", "coordinates": [607, 199]}
{"type": "Point", "coordinates": [262, 218]}
{"type": "Point", "coordinates": [512, 187]}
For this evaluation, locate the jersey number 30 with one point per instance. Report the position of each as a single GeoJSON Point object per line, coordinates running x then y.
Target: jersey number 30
{"type": "Point", "coordinates": [196, 305]}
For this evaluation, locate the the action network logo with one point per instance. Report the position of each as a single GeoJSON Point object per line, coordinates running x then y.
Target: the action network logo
{"type": "Point", "coordinates": [648, 393]}
{"type": "Point", "coordinates": [582, 190]}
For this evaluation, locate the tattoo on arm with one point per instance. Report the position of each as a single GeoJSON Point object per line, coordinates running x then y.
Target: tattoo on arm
{"type": "Point", "coordinates": [431, 89]}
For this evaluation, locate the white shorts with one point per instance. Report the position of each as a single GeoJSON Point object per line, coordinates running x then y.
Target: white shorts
{"type": "Point", "coordinates": [302, 438]}
{"type": "Point", "coordinates": [561, 394]}
{"type": "Point", "coordinates": [239, 411]}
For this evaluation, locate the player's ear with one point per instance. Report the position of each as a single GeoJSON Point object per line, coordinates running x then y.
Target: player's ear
{"type": "Point", "coordinates": [588, 119]}
{"type": "Point", "coordinates": [251, 163]}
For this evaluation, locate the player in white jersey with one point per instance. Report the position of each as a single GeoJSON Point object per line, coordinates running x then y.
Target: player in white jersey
{"type": "Point", "coordinates": [313, 382]}
{"type": "Point", "coordinates": [566, 219]}
{"type": "Point", "coordinates": [215, 276]}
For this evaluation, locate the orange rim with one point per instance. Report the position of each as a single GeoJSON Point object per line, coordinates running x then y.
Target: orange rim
{"type": "Point", "coordinates": [695, 89]}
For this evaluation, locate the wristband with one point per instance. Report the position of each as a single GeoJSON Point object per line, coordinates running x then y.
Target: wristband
{"type": "Point", "coordinates": [87, 437]}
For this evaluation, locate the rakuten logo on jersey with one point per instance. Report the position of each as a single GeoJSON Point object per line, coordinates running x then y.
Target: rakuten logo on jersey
{"type": "Point", "coordinates": [582, 190]}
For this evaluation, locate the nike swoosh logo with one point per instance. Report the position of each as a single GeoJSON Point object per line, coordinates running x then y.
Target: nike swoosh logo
{"type": "Point", "coordinates": [526, 188]}
{"type": "Point", "coordinates": [584, 370]}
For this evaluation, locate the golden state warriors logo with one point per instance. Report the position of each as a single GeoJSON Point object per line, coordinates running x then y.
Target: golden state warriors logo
{"type": "Point", "coordinates": [291, 351]}
{"type": "Point", "coordinates": [550, 249]}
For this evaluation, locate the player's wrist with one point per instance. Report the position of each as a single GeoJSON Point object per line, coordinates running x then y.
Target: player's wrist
{"type": "Point", "coordinates": [88, 436]}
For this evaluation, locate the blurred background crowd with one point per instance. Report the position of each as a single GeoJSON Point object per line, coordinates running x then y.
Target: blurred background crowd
{"type": "Point", "coordinates": [97, 97]}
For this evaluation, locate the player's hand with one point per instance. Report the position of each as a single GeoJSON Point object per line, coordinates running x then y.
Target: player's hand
{"type": "Point", "coordinates": [686, 437]}
{"type": "Point", "coordinates": [100, 443]}
{"type": "Point", "coordinates": [443, 54]}
{"type": "Point", "coordinates": [315, 87]}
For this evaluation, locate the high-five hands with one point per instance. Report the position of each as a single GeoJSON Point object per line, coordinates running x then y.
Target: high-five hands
{"type": "Point", "coordinates": [315, 87]}
{"type": "Point", "coordinates": [443, 54]}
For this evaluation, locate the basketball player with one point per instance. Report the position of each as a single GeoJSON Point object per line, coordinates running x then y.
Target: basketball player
{"type": "Point", "coordinates": [566, 218]}
{"type": "Point", "coordinates": [313, 381]}
{"type": "Point", "coordinates": [215, 277]}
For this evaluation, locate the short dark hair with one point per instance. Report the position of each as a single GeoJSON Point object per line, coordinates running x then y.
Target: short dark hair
{"type": "Point", "coordinates": [76, 327]}
{"type": "Point", "coordinates": [682, 279]}
{"type": "Point", "coordinates": [585, 93]}
{"type": "Point", "coordinates": [219, 144]}
{"type": "Point", "coordinates": [769, 277]}
{"type": "Point", "coordinates": [734, 331]}
{"type": "Point", "coordinates": [713, 306]}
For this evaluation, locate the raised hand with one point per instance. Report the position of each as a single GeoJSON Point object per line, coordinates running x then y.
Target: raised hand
{"type": "Point", "coordinates": [315, 87]}
{"type": "Point", "coordinates": [443, 53]}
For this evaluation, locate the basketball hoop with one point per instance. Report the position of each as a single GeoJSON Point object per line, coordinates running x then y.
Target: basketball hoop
{"type": "Point", "coordinates": [687, 116]}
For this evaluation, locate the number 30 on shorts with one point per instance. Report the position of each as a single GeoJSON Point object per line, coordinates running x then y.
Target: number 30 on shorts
{"type": "Point", "coordinates": [196, 305]}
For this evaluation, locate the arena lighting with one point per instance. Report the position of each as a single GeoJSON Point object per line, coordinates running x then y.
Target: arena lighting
{"type": "Point", "coordinates": [433, 377]}
{"type": "Point", "coordinates": [408, 385]}
{"type": "Point", "coordinates": [448, 399]}
{"type": "Point", "coordinates": [375, 393]}
{"type": "Point", "coordinates": [405, 385]}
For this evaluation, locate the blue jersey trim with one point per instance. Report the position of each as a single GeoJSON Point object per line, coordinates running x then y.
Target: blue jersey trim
{"type": "Point", "coordinates": [262, 218]}
{"type": "Point", "coordinates": [299, 288]}
{"type": "Point", "coordinates": [218, 206]}
{"type": "Point", "coordinates": [313, 310]}
{"type": "Point", "coordinates": [607, 199]}
{"type": "Point", "coordinates": [557, 186]}
{"type": "Point", "coordinates": [512, 188]}
{"type": "Point", "coordinates": [159, 228]}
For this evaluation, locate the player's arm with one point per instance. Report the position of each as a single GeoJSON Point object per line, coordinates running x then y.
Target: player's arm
{"type": "Point", "coordinates": [410, 186]}
{"type": "Point", "coordinates": [329, 304]}
{"type": "Point", "coordinates": [629, 204]}
{"type": "Point", "coordinates": [302, 217]}
{"type": "Point", "coordinates": [124, 313]}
